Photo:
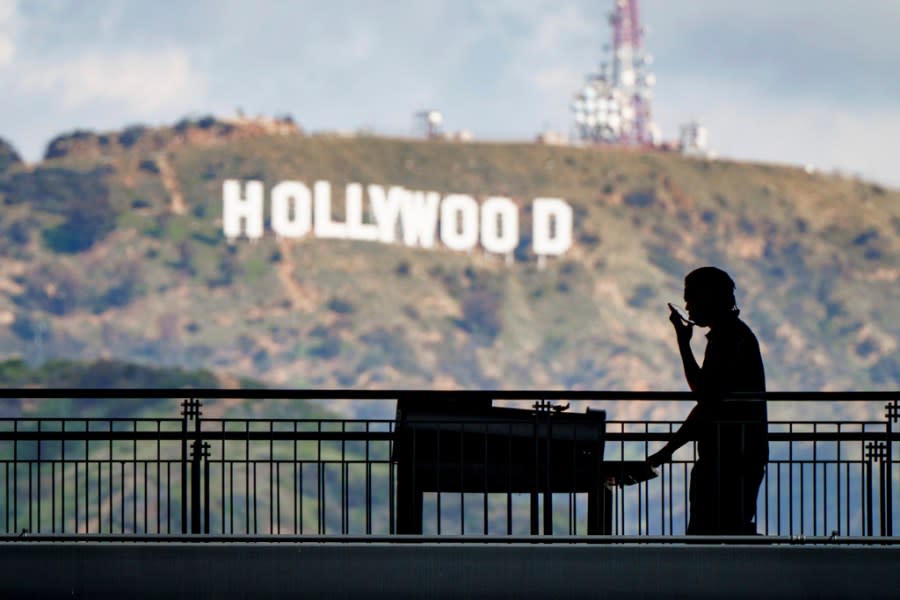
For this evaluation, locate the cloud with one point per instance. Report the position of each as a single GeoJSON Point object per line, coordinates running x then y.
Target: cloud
{"type": "Point", "coordinates": [556, 81]}
{"type": "Point", "coordinates": [820, 74]}
{"type": "Point", "coordinates": [7, 50]}
{"type": "Point", "coordinates": [778, 82]}
{"type": "Point", "coordinates": [143, 82]}
{"type": "Point", "coordinates": [747, 123]}
{"type": "Point", "coordinates": [8, 12]}
{"type": "Point", "coordinates": [841, 52]}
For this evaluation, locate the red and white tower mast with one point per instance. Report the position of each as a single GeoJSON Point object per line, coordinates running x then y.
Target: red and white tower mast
{"type": "Point", "coordinates": [614, 105]}
{"type": "Point", "coordinates": [629, 67]}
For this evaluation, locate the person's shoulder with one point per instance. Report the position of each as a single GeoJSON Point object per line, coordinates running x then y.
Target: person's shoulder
{"type": "Point", "coordinates": [744, 333]}
{"type": "Point", "coordinates": [742, 327]}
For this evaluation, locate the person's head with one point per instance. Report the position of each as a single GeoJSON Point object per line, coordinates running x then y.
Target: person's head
{"type": "Point", "coordinates": [709, 296]}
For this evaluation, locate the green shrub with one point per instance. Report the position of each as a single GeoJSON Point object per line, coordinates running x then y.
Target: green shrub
{"type": "Point", "coordinates": [481, 313]}
{"type": "Point", "coordinates": [328, 348]}
{"type": "Point", "coordinates": [81, 198]}
{"type": "Point", "coordinates": [8, 156]}
{"type": "Point", "coordinates": [341, 307]}
{"type": "Point", "coordinates": [131, 135]}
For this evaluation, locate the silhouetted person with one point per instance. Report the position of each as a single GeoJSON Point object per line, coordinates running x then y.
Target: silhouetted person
{"type": "Point", "coordinates": [731, 435]}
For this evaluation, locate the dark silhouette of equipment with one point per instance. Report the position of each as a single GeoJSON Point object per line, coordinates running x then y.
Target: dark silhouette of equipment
{"type": "Point", "coordinates": [447, 446]}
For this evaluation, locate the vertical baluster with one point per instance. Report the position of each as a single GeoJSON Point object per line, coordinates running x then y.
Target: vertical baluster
{"type": "Point", "coordinates": [838, 482]}
{"type": "Point", "coordinates": [438, 478]}
{"type": "Point", "coordinates": [893, 412]}
{"type": "Point", "coordinates": [368, 485]}
{"type": "Point", "coordinates": [159, 476]}
{"type": "Point", "coordinates": [122, 496]}
{"type": "Point", "coordinates": [134, 479]}
{"type": "Point", "coordinates": [6, 507]}
{"type": "Point", "coordinates": [247, 479]}
{"type": "Point", "coordinates": [99, 497]}
{"type": "Point", "coordinates": [111, 487]}
{"type": "Point", "coordinates": [38, 469]}
{"type": "Point", "coordinates": [185, 411]}
{"type": "Point", "coordinates": [300, 495]}
{"type": "Point", "coordinates": [780, 498]}
{"type": "Point", "coordinates": [534, 490]}
{"type": "Point", "coordinates": [868, 491]}
{"type": "Point", "coordinates": [462, 487]}
{"type": "Point", "coordinates": [222, 478]}
{"type": "Point", "coordinates": [671, 490]}
{"type": "Point", "coordinates": [485, 480]}
{"type": "Point", "coordinates": [847, 499]}
{"type": "Point", "coordinates": [53, 496]}
{"type": "Point", "coordinates": [255, 501]}
{"type": "Point", "coordinates": [573, 490]}
{"type": "Point", "coordinates": [791, 479]}
{"type": "Point", "coordinates": [146, 508]}
{"type": "Point", "coordinates": [392, 517]}
{"type": "Point", "coordinates": [30, 501]}
{"type": "Point", "coordinates": [548, 489]}
{"type": "Point", "coordinates": [271, 478]}
{"type": "Point", "coordinates": [230, 497]}
{"type": "Point", "coordinates": [345, 503]}
{"type": "Point", "coordinates": [815, 487]}
{"type": "Point", "coordinates": [320, 481]}
{"type": "Point", "coordinates": [509, 492]}
{"type": "Point", "coordinates": [62, 481]}
{"type": "Point", "coordinates": [168, 496]}
{"type": "Point", "coordinates": [206, 488]}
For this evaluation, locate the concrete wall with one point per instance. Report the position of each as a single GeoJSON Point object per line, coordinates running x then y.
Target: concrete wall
{"type": "Point", "coordinates": [239, 570]}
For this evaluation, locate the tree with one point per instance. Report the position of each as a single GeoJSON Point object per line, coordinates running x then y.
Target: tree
{"type": "Point", "coordinates": [8, 156]}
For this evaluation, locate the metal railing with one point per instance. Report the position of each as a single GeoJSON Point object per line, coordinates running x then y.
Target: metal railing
{"type": "Point", "coordinates": [279, 478]}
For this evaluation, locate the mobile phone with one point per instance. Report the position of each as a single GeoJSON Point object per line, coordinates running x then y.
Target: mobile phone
{"type": "Point", "coordinates": [681, 313]}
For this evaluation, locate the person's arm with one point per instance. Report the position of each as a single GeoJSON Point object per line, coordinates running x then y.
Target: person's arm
{"type": "Point", "coordinates": [694, 375]}
{"type": "Point", "coordinates": [685, 433]}
{"type": "Point", "coordinates": [683, 332]}
{"type": "Point", "coordinates": [692, 371]}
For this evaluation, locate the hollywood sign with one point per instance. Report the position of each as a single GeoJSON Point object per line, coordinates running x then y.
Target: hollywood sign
{"type": "Point", "coordinates": [395, 215]}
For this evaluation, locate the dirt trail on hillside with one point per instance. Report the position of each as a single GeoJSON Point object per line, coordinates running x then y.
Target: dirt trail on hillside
{"type": "Point", "coordinates": [170, 182]}
{"type": "Point", "coordinates": [298, 296]}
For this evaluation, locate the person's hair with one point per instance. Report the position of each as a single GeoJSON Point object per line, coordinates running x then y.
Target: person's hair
{"type": "Point", "coordinates": [718, 285]}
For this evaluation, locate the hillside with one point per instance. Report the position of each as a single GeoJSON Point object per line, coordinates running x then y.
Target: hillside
{"type": "Point", "coordinates": [115, 250]}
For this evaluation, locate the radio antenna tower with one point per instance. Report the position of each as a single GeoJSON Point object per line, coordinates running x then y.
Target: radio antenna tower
{"type": "Point", "coordinates": [613, 107]}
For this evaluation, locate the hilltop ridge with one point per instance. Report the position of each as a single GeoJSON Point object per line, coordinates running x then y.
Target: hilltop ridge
{"type": "Point", "coordinates": [192, 132]}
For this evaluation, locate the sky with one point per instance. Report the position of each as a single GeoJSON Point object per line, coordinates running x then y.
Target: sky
{"type": "Point", "coordinates": [804, 82]}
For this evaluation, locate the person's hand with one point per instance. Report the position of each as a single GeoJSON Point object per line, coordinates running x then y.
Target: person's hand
{"type": "Point", "coordinates": [683, 330]}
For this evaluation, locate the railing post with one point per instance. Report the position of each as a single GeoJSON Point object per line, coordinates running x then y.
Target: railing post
{"type": "Point", "coordinates": [200, 453]}
{"type": "Point", "coordinates": [535, 522]}
{"type": "Point", "coordinates": [191, 410]}
{"type": "Point", "coordinates": [875, 452]}
{"type": "Point", "coordinates": [196, 457]}
{"type": "Point", "coordinates": [185, 408]}
{"type": "Point", "coordinates": [892, 415]}
{"type": "Point", "coordinates": [205, 455]}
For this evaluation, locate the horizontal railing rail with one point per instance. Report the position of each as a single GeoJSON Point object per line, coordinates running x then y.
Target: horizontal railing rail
{"type": "Point", "coordinates": [45, 435]}
{"type": "Point", "coordinates": [339, 394]}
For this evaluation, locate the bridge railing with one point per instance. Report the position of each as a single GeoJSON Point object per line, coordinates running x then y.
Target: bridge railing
{"type": "Point", "coordinates": [189, 472]}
